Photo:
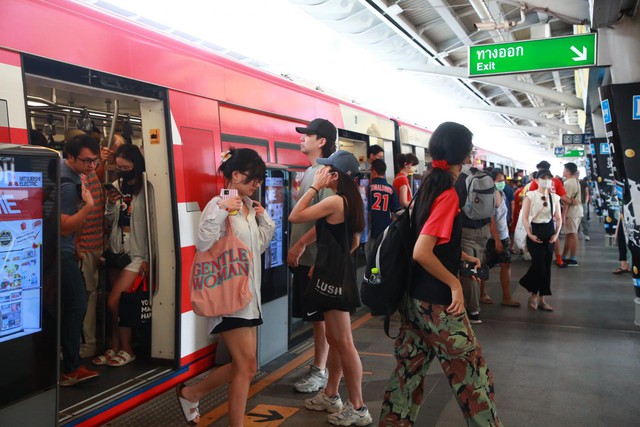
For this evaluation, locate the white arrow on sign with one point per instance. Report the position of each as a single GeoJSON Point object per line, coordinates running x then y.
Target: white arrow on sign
{"type": "Point", "coordinates": [582, 56]}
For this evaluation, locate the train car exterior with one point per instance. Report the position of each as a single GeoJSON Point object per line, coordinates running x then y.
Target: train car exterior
{"type": "Point", "coordinates": [193, 105]}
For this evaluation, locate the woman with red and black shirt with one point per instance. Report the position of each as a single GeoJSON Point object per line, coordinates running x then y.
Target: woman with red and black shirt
{"type": "Point", "coordinates": [434, 323]}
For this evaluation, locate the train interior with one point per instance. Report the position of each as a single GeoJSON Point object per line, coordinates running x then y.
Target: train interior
{"type": "Point", "coordinates": [57, 102]}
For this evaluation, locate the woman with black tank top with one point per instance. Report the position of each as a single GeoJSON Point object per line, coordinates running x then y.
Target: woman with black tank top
{"type": "Point", "coordinates": [339, 222]}
{"type": "Point", "coordinates": [434, 322]}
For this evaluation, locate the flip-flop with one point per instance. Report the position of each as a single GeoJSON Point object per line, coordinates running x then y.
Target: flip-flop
{"type": "Point", "coordinates": [510, 303]}
{"type": "Point", "coordinates": [189, 408]}
{"type": "Point", "coordinates": [620, 271]}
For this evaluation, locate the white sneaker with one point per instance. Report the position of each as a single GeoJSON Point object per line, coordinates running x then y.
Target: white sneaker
{"type": "Point", "coordinates": [349, 416]}
{"type": "Point", "coordinates": [527, 256]}
{"type": "Point", "coordinates": [322, 402]}
{"type": "Point", "coordinates": [312, 381]}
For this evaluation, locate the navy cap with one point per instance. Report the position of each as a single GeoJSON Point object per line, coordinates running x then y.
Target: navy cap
{"type": "Point", "coordinates": [321, 127]}
{"type": "Point", "coordinates": [343, 161]}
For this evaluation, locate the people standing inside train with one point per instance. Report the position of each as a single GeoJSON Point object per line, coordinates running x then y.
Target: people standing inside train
{"type": "Point", "coordinates": [76, 203]}
{"type": "Point", "coordinates": [434, 323]}
{"type": "Point", "coordinates": [383, 201]}
{"type": "Point", "coordinates": [557, 187]}
{"type": "Point", "coordinates": [497, 249]}
{"type": "Point", "coordinates": [542, 219]}
{"type": "Point", "coordinates": [243, 170]}
{"type": "Point", "coordinates": [89, 248]}
{"type": "Point", "coordinates": [107, 155]}
{"type": "Point", "coordinates": [475, 234]}
{"type": "Point", "coordinates": [405, 163]}
{"type": "Point", "coordinates": [318, 140]}
{"type": "Point", "coordinates": [339, 221]}
{"type": "Point", "coordinates": [374, 152]}
{"type": "Point", "coordinates": [128, 245]}
{"type": "Point", "coordinates": [574, 214]}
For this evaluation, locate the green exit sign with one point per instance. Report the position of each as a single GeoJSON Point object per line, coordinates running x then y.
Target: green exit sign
{"type": "Point", "coordinates": [533, 55]}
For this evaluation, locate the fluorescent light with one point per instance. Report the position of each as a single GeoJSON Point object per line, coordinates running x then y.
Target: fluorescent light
{"type": "Point", "coordinates": [36, 104]}
{"type": "Point", "coordinates": [97, 115]}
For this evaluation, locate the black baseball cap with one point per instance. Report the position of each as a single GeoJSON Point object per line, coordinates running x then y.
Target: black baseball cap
{"type": "Point", "coordinates": [321, 127]}
{"type": "Point", "coordinates": [543, 165]}
{"type": "Point", "coordinates": [343, 161]}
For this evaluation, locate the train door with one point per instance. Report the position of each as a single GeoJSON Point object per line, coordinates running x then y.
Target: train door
{"type": "Point", "coordinates": [63, 100]}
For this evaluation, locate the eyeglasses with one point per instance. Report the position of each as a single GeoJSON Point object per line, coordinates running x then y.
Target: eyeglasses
{"type": "Point", "coordinates": [88, 162]}
{"type": "Point", "coordinates": [544, 201]}
{"type": "Point", "coordinates": [252, 181]}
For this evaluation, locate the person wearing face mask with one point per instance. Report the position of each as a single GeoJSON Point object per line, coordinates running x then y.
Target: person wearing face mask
{"type": "Point", "coordinates": [497, 250]}
{"type": "Point", "coordinates": [542, 219]}
{"type": "Point", "coordinates": [557, 187]}
{"type": "Point", "coordinates": [475, 234]}
{"type": "Point", "coordinates": [126, 215]}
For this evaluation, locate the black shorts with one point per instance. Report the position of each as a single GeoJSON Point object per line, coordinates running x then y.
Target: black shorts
{"type": "Point", "coordinates": [492, 258]}
{"type": "Point", "coordinates": [299, 285]}
{"type": "Point", "coordinates": [229, 323]}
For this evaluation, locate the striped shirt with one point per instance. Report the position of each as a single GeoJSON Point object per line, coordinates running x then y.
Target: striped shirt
{"type": "Point", "coordinates": [91, 236]}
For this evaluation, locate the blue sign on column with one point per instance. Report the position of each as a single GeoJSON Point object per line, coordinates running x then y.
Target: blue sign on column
{"type": "Point", "coordinates": [593, 149]}
{"type": "Point", "coordinates": [606, 112]}
{"type": "Point", "coordinates": [636, 107]}
{"type": "Point", "coordinates": [604, 148]}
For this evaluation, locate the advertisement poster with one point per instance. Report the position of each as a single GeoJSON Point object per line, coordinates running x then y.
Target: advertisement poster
{"type": "Point", "coordinates": [274, 198]}
{"type": "Point", "coordinates": [20, 254]}
{"type": "Point", "coordinates": [622, 127]}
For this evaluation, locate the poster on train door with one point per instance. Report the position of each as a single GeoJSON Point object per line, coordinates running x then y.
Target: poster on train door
{"type": "Point", "coordinates": [20, 253]}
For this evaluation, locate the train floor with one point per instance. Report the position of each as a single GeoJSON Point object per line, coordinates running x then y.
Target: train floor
{"type": "Point", "coordinates": [576, 366]}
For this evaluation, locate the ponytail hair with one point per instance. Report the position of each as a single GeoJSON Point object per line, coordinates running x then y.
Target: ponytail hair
{"type": "Point", "coordinates": [406, 158]}
{"type": "Point", "coordinates": [451, 142]}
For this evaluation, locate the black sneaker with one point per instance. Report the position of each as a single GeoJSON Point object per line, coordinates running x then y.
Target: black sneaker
{"type": "Point", "coordinates": [562, 265]}
{"type": "Point", "coordinates": [475, 318]}
{"type": "Point", "coordinates": [571, 263]}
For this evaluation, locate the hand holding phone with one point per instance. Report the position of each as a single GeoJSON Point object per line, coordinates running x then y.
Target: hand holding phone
{"type": "Point", "coordinates": [230, 200]}
{"type": "Point", "coordinates": [469, 269]}
{"type": "Point", "coordinates": [113, 194]}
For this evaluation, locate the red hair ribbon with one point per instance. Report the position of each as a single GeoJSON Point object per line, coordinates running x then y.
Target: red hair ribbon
{"type": "Point", "coordinates": [440, 164]}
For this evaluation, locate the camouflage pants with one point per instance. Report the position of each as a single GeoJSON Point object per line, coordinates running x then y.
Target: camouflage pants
{"type": "Point", "coordinates": [428, 332]}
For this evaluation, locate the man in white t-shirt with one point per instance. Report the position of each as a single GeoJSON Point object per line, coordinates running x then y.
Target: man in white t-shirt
{"type": "Point", "coordinates": [574, 214]}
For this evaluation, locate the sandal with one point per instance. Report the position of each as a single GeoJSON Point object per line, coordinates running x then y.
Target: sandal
{"type": "Point", "coordinates": [620, 271]}
{"type": "Point", "coordinates": [545, 307]}
{"type": "Point", "coordinates": [189, 408]}
{"type": "Point", "coordinates": [510, 303]}
{"type": "Point", "coordinates": [486, 299]}
{"type": "Point", "coordinates": [121, 359]}
{"type": "Point", "coordinates": [533, 303]}
{"type": "Point", "coordinates": [105, 358]}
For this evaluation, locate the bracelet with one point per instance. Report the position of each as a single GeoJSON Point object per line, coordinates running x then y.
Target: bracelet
{"type": "Point", "coordinates": [314, 188]}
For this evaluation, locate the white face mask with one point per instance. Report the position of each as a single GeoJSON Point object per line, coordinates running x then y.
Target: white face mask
{"type": "Point", "coordinates": [544, 183]}
{"type": "Point", "coordinates": [466, 169]}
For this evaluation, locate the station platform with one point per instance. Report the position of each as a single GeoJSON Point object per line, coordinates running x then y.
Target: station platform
{"type": "Point", "coordinates": [576, 366]}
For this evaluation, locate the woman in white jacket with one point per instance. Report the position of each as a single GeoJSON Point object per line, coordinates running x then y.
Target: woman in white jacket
{"type": "Point", "coordinates": [126, 215]}
{"type": "Point", "coordinates": [244, 171]}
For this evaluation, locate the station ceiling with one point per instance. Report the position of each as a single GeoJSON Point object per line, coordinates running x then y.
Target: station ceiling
{"type": "Point", "coordinates": [429, 39]}
{"type": "Point", "coordinates": [433, 36]}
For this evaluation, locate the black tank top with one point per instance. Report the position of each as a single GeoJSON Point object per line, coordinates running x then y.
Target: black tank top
{"type": "Point", "coordinates": [424, 286]}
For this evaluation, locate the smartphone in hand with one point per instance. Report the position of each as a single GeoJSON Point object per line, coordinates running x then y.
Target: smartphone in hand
{"type": "Point", "coordinates": [227, 193]}
{"type": "Point", "coordinates": [469, 269]}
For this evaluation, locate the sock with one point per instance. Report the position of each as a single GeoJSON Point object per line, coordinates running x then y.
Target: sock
{"type": "Point", "coordinates": [573, 258]}
{"type": "Point", "coordinates": [559, 258]}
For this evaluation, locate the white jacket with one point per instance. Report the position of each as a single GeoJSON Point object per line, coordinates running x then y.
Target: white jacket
{"type": "Point", "coordinates": [254, 231]}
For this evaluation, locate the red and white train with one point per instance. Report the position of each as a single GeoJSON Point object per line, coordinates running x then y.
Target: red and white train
{"type": "Point", "coordinates": [62, 61]}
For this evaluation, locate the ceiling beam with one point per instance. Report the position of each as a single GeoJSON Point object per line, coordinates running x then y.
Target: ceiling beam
{"type": "Point", "coordinates": [504, 81]}
{"type": "Point", "coordinates": [537, 130]}
{"type": "Point", "coordinates": [526, 113]}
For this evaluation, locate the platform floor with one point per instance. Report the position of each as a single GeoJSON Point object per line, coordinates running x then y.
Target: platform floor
{"type": "Point", "coordinates": [576, 366]}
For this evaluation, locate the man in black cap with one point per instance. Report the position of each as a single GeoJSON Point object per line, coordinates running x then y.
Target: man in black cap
{"type": "Point", "coordinates": [318, 140]}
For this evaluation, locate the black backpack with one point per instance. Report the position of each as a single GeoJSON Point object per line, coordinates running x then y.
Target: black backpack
{"type": "Point", "coordinates": [392, 255]}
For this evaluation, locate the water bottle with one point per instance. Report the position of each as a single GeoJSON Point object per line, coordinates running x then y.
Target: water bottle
{"type": "Point", "coordinates": [375, 277]}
